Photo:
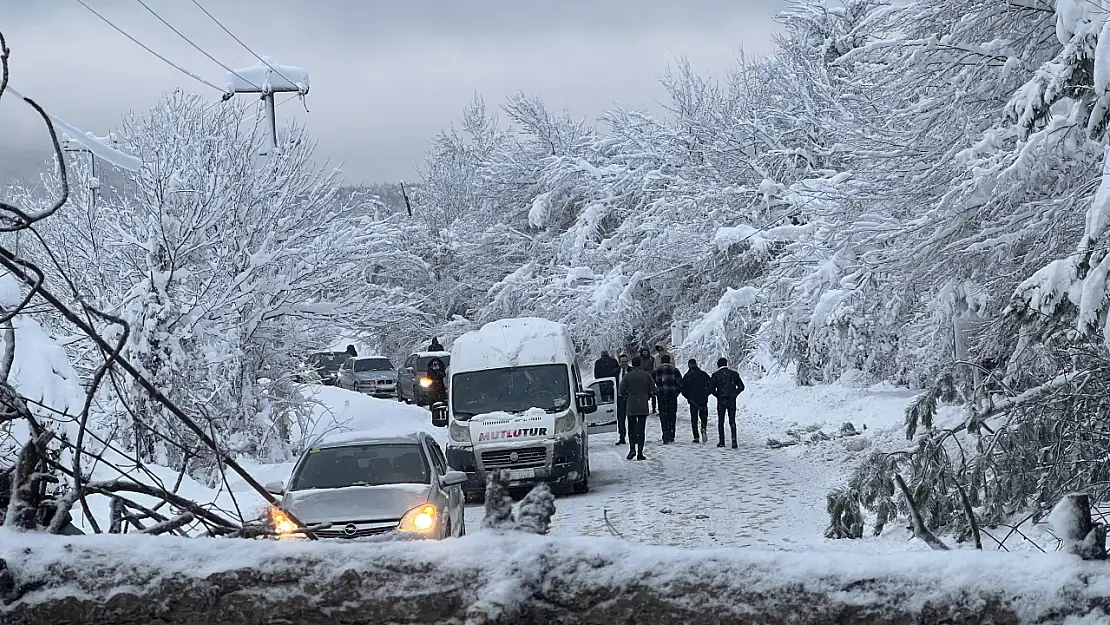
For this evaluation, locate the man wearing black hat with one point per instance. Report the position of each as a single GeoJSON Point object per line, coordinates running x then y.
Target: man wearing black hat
{"type": "Point", "coordinates": [726, 385]}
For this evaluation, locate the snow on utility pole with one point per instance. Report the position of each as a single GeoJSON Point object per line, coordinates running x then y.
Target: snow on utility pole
{"type": "Point", "coordinates": [71, 146]}
{"type": "Point", "coordinates": [268, 78]}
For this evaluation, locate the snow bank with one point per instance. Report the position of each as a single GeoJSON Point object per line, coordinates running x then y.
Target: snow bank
{"type": "Point", "coordinates": [531, 579]}
{"type": "Point", "coordinates": [268, 76]}
{"type": "Point", "coordinates": [512, 343]}
{"type": "Point", "coordinates": [41, 372]}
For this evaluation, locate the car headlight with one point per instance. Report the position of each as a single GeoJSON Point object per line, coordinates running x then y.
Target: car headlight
{"type": "Point", "coordinates": [282, 524]}
{"type": "Point", "coordinates": [425, 382]}
{"type": "Point", "coordinates": [459, 432]}
{"type": "Point", "coordinates": [419, 519]}
{"type": "Point", "coordinates": [565, 423]}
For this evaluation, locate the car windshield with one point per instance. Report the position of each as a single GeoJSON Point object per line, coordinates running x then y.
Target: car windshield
{"type": "Point", "coordinates": [330, 360]}
{"type": "Point", "coordinates": [363, 465]}
{"type": "Point", "coordinates": [512, 389]}
{"type": "Point", "coordinates": [422, 364]}
{"type": "Point", "coordinates": [373, 364]}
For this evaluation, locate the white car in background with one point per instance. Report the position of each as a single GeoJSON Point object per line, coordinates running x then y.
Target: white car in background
{"type": "Point", "coordinates": [373, 375]}
{"type": "Point", "coordinates": [357, 485]}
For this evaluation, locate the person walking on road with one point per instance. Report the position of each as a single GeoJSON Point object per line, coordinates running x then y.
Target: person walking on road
{"type": "Point", "coordinates": [668, 386]}
{"type": "Point", "coordinates": [647, 363]}
{"type": "Point", "coordinates": [726, 386]}
{"type": "Point", "coordinates": [657, 359]}
{"type": "Point", "coordinates": [606, 366]}
{"type": "Point", "coordinates": [622, 404]}
{"type": "Point", "coordinates": [636, 388]}
{"type": "Point", "coordinates": [695, 388]}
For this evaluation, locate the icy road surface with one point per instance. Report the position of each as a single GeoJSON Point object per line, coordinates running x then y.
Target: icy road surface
{"type": "Point", "coordinates": [699, 495]}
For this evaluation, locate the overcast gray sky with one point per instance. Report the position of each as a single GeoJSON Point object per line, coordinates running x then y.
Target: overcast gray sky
{"type": "Point", "coordinates": [386, 74]}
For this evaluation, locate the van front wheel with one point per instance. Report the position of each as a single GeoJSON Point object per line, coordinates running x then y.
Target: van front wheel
{"type": "Point", "coordinates": [583, 487]}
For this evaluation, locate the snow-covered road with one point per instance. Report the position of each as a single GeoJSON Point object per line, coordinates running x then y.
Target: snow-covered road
{"type": "Point", "coordinates": [699, 495]}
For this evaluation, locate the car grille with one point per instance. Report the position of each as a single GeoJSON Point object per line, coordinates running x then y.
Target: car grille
{"type": "Point", "coordinates": [339, 531]}
{"type": "Point", "coordinates": [525, 458]}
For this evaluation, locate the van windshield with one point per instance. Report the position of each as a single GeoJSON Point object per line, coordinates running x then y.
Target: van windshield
{"type": "Point", "coordinates": [512, 389]}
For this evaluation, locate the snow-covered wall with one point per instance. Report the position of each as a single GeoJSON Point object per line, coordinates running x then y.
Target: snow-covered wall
{"type": "Point", "coordinates": [494, 577]}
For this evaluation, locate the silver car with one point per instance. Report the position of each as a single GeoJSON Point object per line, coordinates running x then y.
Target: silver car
{"type": "Point", "coordinates": [374, 375]}
{"type": "Point", "coordinates": [360, 485]}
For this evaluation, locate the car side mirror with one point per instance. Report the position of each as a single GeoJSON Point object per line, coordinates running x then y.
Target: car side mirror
{"type": "Point", "coordinates": [586, 402]}
{"type": "Point", "coordinates": [452, 478]}
{"type": "Point", "coordinates": [275, 488]}
{"type": "Point", "coordinates": [439, 414]}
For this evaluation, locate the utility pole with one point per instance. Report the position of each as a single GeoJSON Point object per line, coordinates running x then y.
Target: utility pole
{"type": "Point", "coordinates": [268, 78]}
{"type": "Point", "coordinates": [70, 146]}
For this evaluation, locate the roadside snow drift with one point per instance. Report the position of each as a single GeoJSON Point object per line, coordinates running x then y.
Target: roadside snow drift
{"type": "Point", "coordinates": [510, 577]}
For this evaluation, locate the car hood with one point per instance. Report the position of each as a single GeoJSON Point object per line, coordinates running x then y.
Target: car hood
{"type": "Point", "coordinates": [356, 503]}
{"type": "Point", "coordinates": [374, 375]}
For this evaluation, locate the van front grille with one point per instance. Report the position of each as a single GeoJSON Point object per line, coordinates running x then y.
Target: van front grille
{"type": "Point", "coordinates": [524, 458]}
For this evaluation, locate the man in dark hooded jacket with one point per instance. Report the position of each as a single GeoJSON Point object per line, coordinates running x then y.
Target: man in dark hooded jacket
{"type": "Point", "coordinates": [606, 366]}
{"type": "Point", "coordinates": [668, 386]}
{"type": "Point", "coordinates": [695, 388]}
{"type": "Point", "coordinates": [726, 385]}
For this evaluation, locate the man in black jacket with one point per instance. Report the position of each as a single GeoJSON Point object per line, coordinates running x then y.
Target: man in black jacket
{"type": "Point", "coordinates": [695, 388]}
{"type": "Point", "coordinates": [606, 366]}
{"type": "Point", "coordinates": [637, 388]}
{"type": "Point", "coordinates": [622, 403]}
{"type": "Point", "coordinates": [726, 386]}
{"type": "Point", "coordinates": [668, 386]}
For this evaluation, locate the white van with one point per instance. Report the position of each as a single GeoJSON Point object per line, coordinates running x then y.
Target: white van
{"type": "Point", "coordinates": [516, 401]}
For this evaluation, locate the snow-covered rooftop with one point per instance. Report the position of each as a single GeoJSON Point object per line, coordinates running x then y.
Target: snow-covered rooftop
{"type": "Point", "coordinates": [512, 343]}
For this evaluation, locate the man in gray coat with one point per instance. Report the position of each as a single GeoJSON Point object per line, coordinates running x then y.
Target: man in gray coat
{"type": "Point", "coordinates": [637, 388]}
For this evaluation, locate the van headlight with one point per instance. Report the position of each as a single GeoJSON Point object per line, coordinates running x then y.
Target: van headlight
{"type": "Point", "coordinates": [459, 432]}
{"type": "Point", "coordinates": [565, 422]}
{"type": "Point", "coordinates": [420, 519]}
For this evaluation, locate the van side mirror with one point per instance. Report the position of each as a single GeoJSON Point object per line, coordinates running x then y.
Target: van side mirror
{"type": "Point", "coordinates": [586, 402]}
{"type": "Point", "coordinates": [275, 488]}
{"type": "Point", "coordinates": [439, 414]}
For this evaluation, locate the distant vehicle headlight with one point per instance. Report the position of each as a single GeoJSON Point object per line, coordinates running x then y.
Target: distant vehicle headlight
{"type": "Point", "coordinates": [459, 432]}
{"type": "Point", "coordinates": [419, 519]}
{"type": "Point", "coordinates": [565, 423]}
{"type": "Point", "coordinates": [281, 522]}
{"type": "Point", "coordinates": [425, 382]}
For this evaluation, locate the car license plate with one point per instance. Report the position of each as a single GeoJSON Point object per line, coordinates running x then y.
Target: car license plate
{"type": "Point", "coordinates": [522, 474]}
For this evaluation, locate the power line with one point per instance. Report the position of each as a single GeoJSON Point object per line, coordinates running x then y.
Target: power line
{"type": "Point", "coordinates": [198, 48]}
{"type": "Point", "coordinates": [144, 47]}
{"type": "Point", "coordinates": [240, 41]}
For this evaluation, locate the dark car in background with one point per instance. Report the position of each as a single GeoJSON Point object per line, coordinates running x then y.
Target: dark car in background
{"type": "Point", "coordinates": [412, 377]}
{"type": "Point", "coordinates": [322, 367]}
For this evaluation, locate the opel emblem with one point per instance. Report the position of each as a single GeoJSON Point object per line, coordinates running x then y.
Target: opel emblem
{"type": "Point", "coordinates": [514, 456]}
{"type": "Point", "coordinates": [350, 529]}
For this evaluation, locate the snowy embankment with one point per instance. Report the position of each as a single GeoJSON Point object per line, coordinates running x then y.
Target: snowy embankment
{"type": "Point", "coordinates": [519, 578]}
{"type": "Point", "coordinates": [333, 410]}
